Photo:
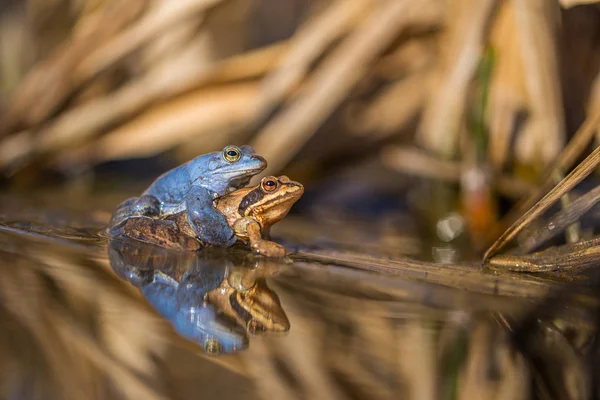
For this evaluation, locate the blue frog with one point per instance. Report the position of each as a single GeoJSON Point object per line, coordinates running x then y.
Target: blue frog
{"type": "Point", "coordinates": [192, 317]}
{"type": "Point", "coordinates": [192, 187]}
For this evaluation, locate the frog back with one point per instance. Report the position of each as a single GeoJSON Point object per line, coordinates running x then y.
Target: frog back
{"type": "Point", "coordinates": [172, 186]}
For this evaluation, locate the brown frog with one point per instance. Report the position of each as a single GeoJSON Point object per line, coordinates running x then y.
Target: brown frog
{"type": "Point", "coordinates": [249, 211]}
{"type": "Point", "coordinates": [245, 297]}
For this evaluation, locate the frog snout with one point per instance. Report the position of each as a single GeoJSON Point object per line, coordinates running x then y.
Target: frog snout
{"type": "Point", "coordinates": [260, 161]}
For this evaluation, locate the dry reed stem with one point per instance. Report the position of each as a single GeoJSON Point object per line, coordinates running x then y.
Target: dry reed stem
{"type": "Point", "coordinates": [417, 359]}
{"type": "Point", "coordinates": [15, 56]}
{"type": "Point", "coordinates": [88, 335]}
{"type": "Point", "coordinates": [300, 352]}
{"type": "Point", "coordinates": [309, 43]}
{"type": "Point", "coordinates": [439, 297]}
{"type": "Point", "coordinates": [594, 104]}
{"type": "Point", "coordinates": [160, 84]}
{"type": "Point", "coordinates": [129, 383]}
{"type": "Point", "coordinates": [573, 3]}
{"type": "Point", "coordinates": [508, 96]}
{"type": "Point", "coordinates": [154, 22]}
{"type": "Point", "coordinates": [252, 64]}
{"type": "Point", "coordinates": [412, 56]}
{"type": "Point", "coordinates": [412, 161]}
{"type": "Point", "coordinates": [333, 80]}
{"type": "Point", "coordinates": [16, 148]}
{"type": "Point", "coordinates": [114, 304]}
{"type": "Point", "coordinates": [460, 276]}
{"type": "Point", "coordinates": [74, 66]}
{"type": "Point", "coordinates": [50, 82]}
{"type": "Point", "coordinates": [531, 239]}
{"type": "Point", "coordinates": [373, 327]}
{"type": "Point", "coordinates": [386, 354]}
{"type": "Point", "coordinates": [392, 109]}
{"type": "Point", "coordinates": [578, 174]}
{"type": "Point", "coordinates": [543, 135]}
{"type": "Point", "coordinates": [563, 162]}
{"type": "Point", "coordinates": [487, 352]}
{"type": "Point", "coordinates": [264, 373]}
{"type": "Point", "coordinates": [221, 109]}
{"type": "Point", "coordinates": [79, 124]}
{"type": "Point", "coordinates": [467, 27]}
{"type": "Point", "coordinates": [174, 48]}
{"type": "Point", "coordinates": [568, 257]}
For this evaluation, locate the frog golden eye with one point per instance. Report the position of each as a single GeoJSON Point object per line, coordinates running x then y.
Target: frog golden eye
{"type": "Point", "coordinates": [232, 154]}
{"type": "Point", "coordinates": [269, 184]}
{"type": "Point", "coordinates": [212, 347]}
{"type": "Point", "coordinates": [255, 327]}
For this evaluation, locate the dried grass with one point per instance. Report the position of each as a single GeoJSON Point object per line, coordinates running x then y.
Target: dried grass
{"type": "Point", "coordinates": [124, 62]}
{"type": "Point", "coordinates": [564, 186]}
{"type": "Point", "coordinates": [72, 329]}
{"type": "Point", "coordinates": [138, 78]}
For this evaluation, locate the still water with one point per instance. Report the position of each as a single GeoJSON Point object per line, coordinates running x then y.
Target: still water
{"type": "Point", "coordinates": [84, 316]}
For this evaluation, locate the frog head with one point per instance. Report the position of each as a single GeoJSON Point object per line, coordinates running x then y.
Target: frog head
{"type": "Point", "coordinates": [229, 169]}
{"type": "Point", "coordinates": [267, 203]}
{"type": "Point", "coordinates": [261, 309]}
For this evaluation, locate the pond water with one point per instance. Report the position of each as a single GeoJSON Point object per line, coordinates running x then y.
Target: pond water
{"type": "Point", "coordinates": [340, 318]}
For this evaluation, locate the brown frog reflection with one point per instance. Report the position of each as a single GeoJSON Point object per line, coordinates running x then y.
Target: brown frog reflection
{"type": "Point", "coordinates": [249, 211]}
{"type": "Point", "coordinates": [205, 297]}
{"type": "Point", "coordinates": [246, 297]}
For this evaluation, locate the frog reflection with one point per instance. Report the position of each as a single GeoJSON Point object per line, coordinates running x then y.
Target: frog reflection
{"type": "Point", "coordinates": [206, 298]}
{"type": "Point", "coordinates": [193, 317]}
{"type": "Point", "coordinates": [250, 302]}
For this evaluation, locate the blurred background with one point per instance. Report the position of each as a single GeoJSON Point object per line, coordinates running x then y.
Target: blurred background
{"type": "Point", "coordinates": [464, 102]}
{"type": "Point", "coordinates": [422, 130]}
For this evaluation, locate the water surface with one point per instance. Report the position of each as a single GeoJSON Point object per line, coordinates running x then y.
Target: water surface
{"type": "Point", "coordinates": [340, 318]}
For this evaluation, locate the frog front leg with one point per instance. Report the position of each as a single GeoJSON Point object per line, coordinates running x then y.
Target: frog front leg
{"type": "Point", "coordinates": [209, 225]}
{"type": "Point", "coordinates": [260, 245]}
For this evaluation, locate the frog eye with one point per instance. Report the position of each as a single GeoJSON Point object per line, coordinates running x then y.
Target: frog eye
{"type": "Point", "coordinates": [269, 184]}
{"type": "Point", "coordinates": [231, 154]}
{"type": "Point", "coordinates": [212, 346]}
{"type": "Point", "coordinates": [255, 327]}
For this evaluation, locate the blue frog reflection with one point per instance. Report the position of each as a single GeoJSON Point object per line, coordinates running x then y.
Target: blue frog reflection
{"type": "Point", "coordinates": [207, 298]}
{"type": "Point", "coordinates": [193, 318]}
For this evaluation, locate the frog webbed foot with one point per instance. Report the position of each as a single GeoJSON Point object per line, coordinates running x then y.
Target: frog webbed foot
{"type": "Point", "coordinates": [268, 248]}
{"type": "Point", "coordinates": [208, 223]}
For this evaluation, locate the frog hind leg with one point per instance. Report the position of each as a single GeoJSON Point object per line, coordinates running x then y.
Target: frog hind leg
{"type": "Point", "coordinates": [162, 233]}
{"type": "Point", "coordinates": [120, 216]}
{"type": "Point", "coordinates": [208, 223]}
{"type": "Point", "coordinates": [137, 276]}
{"type": "Point", "coordinates": [146, 205]}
